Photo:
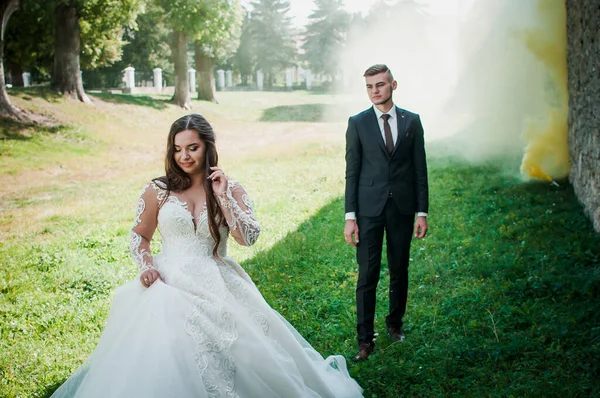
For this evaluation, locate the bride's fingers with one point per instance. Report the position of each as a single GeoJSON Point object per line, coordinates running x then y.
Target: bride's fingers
{"type": "Point", "coordinates": [216, 173]}
{"type": "Point", "coordinates": [153, 276]}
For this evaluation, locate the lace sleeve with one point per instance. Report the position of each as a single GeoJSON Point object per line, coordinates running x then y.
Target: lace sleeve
{"type": "Point", "coordinates": [144, 225]}
{"type": "Point", "coordinates": [239, 214]}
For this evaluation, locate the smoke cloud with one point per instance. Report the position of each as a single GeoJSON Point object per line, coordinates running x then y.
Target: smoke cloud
{"type": "Point", "coordinates": [488, 78]}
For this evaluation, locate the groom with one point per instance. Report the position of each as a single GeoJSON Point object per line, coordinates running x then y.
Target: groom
{"type": "Point", "coordinates": [386, 184]}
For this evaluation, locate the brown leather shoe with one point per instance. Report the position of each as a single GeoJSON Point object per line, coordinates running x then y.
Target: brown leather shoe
{"type": "Point", "coordinates": [364, 350]}
{"type": "Point", "coordinates": [396, 334]}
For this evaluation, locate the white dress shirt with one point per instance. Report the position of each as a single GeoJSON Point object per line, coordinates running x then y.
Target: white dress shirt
{"type": "Point", "coordinates": [393, 121]}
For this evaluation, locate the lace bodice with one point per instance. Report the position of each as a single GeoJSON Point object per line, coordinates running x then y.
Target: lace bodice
{"type": "Point", "coordinates": [187, 263]}
{"type": "Point", "coordinates": [182, 234]}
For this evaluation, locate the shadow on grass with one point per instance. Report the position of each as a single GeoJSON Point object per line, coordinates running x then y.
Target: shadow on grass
{"type": "Point", "coordinates": [307, 276]}
{"type": "Point", "coordinates": [12, 130]}
{"type": "Point", "coordinates": [42, 91]}
{"type": "Point", "coordinates": [503, 292]}
{"type": "Point", "coordinates": [139, 100]}
{"type": "Point", "coordinates": [294, 113]}
{"type": "Point", "coordinates": [45, 92]}
{"type": "Point", "coordinates": [303, 113]}
{"type": "Point", "coordinates": [48, 391]}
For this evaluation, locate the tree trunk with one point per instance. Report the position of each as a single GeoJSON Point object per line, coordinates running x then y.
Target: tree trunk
{"type": "Point", "coordinates": [7, 7]}
{"type": "Point", "coordinates": [205, 69]}
{"type": "Point", "coordinates": [182, 89]}
{"type": "Point", "coordinates": [66, 76]}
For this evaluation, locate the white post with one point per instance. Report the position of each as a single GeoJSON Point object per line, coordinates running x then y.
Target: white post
{"type": "Point", "coordinates": [221, 79]}
{"type": "Point", "coordinates": [192, 79]}
{"type": "Point", "coordinates": [229, 76]}
{"type": "Point", "coordinates": [289, 78]}
{"type": "Point", "coordinates": [157, 79]}
{"type": "Point", "coordinates": [308, 77]}
{"type": "Point", "coordinates": [26, 79]}
{"type": "Point", "coordinates": [130, 77]}
{"type": "Point", "coordinates": [260, 79]}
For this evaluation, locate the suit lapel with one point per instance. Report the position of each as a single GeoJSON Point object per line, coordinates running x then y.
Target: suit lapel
{"type": "Point", "coordinates": [371, 121]}
{"type": "Point", "coordinates": [401, 122]}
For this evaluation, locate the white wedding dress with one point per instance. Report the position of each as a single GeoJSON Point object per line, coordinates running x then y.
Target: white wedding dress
{"type": "Point", "coordinates": [203, 329]}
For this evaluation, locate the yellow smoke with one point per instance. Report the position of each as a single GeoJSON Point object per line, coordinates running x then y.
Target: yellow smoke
{"type": "Point", "coordinates": [547, 152]}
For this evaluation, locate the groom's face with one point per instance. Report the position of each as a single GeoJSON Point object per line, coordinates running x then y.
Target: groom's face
{"type": "Point", "coordinates": [380, 87]}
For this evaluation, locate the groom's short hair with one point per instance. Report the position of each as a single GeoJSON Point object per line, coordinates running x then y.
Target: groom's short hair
{"type": "Point", "coordinates": [377, 69]}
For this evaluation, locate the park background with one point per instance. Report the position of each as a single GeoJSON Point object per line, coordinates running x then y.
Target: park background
{"type": "Point", "coordinates": [504, 289]}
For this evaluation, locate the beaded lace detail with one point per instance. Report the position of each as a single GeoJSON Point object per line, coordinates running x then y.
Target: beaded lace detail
{"type": "Point", "coordinates": [238, 218]}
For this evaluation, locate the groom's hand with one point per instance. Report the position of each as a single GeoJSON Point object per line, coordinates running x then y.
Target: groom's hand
{"type": "Point", "coordinates": [420, 227]}
{"type": "Point", "coordinates": [351, 232]}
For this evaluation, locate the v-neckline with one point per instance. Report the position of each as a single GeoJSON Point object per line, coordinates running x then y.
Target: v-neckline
{"type": "Point", "coordinates": [185, 207]}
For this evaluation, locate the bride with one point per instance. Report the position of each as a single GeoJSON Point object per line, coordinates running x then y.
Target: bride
{"type": "Point", "coordinates": [194, 324]}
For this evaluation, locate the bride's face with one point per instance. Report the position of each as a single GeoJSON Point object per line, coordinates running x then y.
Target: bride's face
{"type": "Point", "coordinates": [189, 152]}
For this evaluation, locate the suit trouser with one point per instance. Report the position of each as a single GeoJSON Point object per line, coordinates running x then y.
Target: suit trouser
{"type": "Point", "coordinates": [398, 231]}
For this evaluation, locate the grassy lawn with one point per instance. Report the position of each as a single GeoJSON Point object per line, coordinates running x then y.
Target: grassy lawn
{"type": "Point", "coordinates": [504, 293]}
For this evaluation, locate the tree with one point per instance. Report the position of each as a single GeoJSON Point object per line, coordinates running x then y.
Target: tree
{"type": "Point", "coordinates": [66, 78]}
{"type": "Point", "coordinates": [244, 60]}
{"type": "Point", "coordinates": [215, 40]}
{"type": "Point", "coordinates": [182, 88]}
{"type": "Point", "coordinates": [7, 7]}
{"type": "Point", "coordinates": [325, 36]}
{"type": "Point", "coordinates": [182, 19]}
{"type": "Point", "coordinates": [272, 35]}
{"type": "Point", "coordinates": [101, 23]}
{"type": "Point", "coordinates": [104, 34]}
{"type": "Point", "coordinates": [213, 26]}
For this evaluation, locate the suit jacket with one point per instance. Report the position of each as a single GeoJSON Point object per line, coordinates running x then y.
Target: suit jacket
{"type": "Point", "coordinates": [372, 173]}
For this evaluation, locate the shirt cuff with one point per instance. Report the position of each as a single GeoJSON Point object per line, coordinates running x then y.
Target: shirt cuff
{"type": "Point", "coordinates": [352, 215]}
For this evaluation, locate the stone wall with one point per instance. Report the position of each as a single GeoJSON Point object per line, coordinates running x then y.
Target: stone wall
{"type": "Point", "coordinates": [583, 31]}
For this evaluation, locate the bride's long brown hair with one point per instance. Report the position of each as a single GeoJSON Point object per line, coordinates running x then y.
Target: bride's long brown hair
{"type": "Point", "coordinates": [177, 180]}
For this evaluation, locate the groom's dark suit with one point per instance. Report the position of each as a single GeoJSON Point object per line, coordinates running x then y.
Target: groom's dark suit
{"type": "Point", "coordinates": [385, 191]}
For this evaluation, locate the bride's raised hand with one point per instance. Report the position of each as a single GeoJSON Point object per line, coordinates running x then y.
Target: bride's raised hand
{"type": "Point", "coordinates": [219, 180]}
{"type": "Point", "coordinates": [149, 276]}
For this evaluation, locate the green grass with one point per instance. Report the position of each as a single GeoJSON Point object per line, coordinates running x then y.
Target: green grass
{"type": "Point", "coordinates": [504, 291]}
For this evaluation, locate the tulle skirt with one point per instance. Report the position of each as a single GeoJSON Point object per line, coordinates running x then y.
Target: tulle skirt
{"type": "Point", "coordinates": [166, 342]}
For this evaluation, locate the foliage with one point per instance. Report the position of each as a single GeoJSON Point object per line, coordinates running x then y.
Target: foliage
{"type": "Point", "coordinates": [325, 36]}
{"type": "Point", "coordinates": [102, 23]}
{"type": "Point", "coordinates": [31, 32]}
{"type": "Point", "coordinates": [214, 22]}
{"type": "Point", "coordinates": [30, 37]}
{"type": "Point", "coordinates": [220, 31]}
{"type": "Point", "coordinates": [147, 45]}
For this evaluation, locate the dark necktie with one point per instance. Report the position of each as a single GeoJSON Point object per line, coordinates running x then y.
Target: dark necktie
{"type": "Point", "coordinates": [389, 141]}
